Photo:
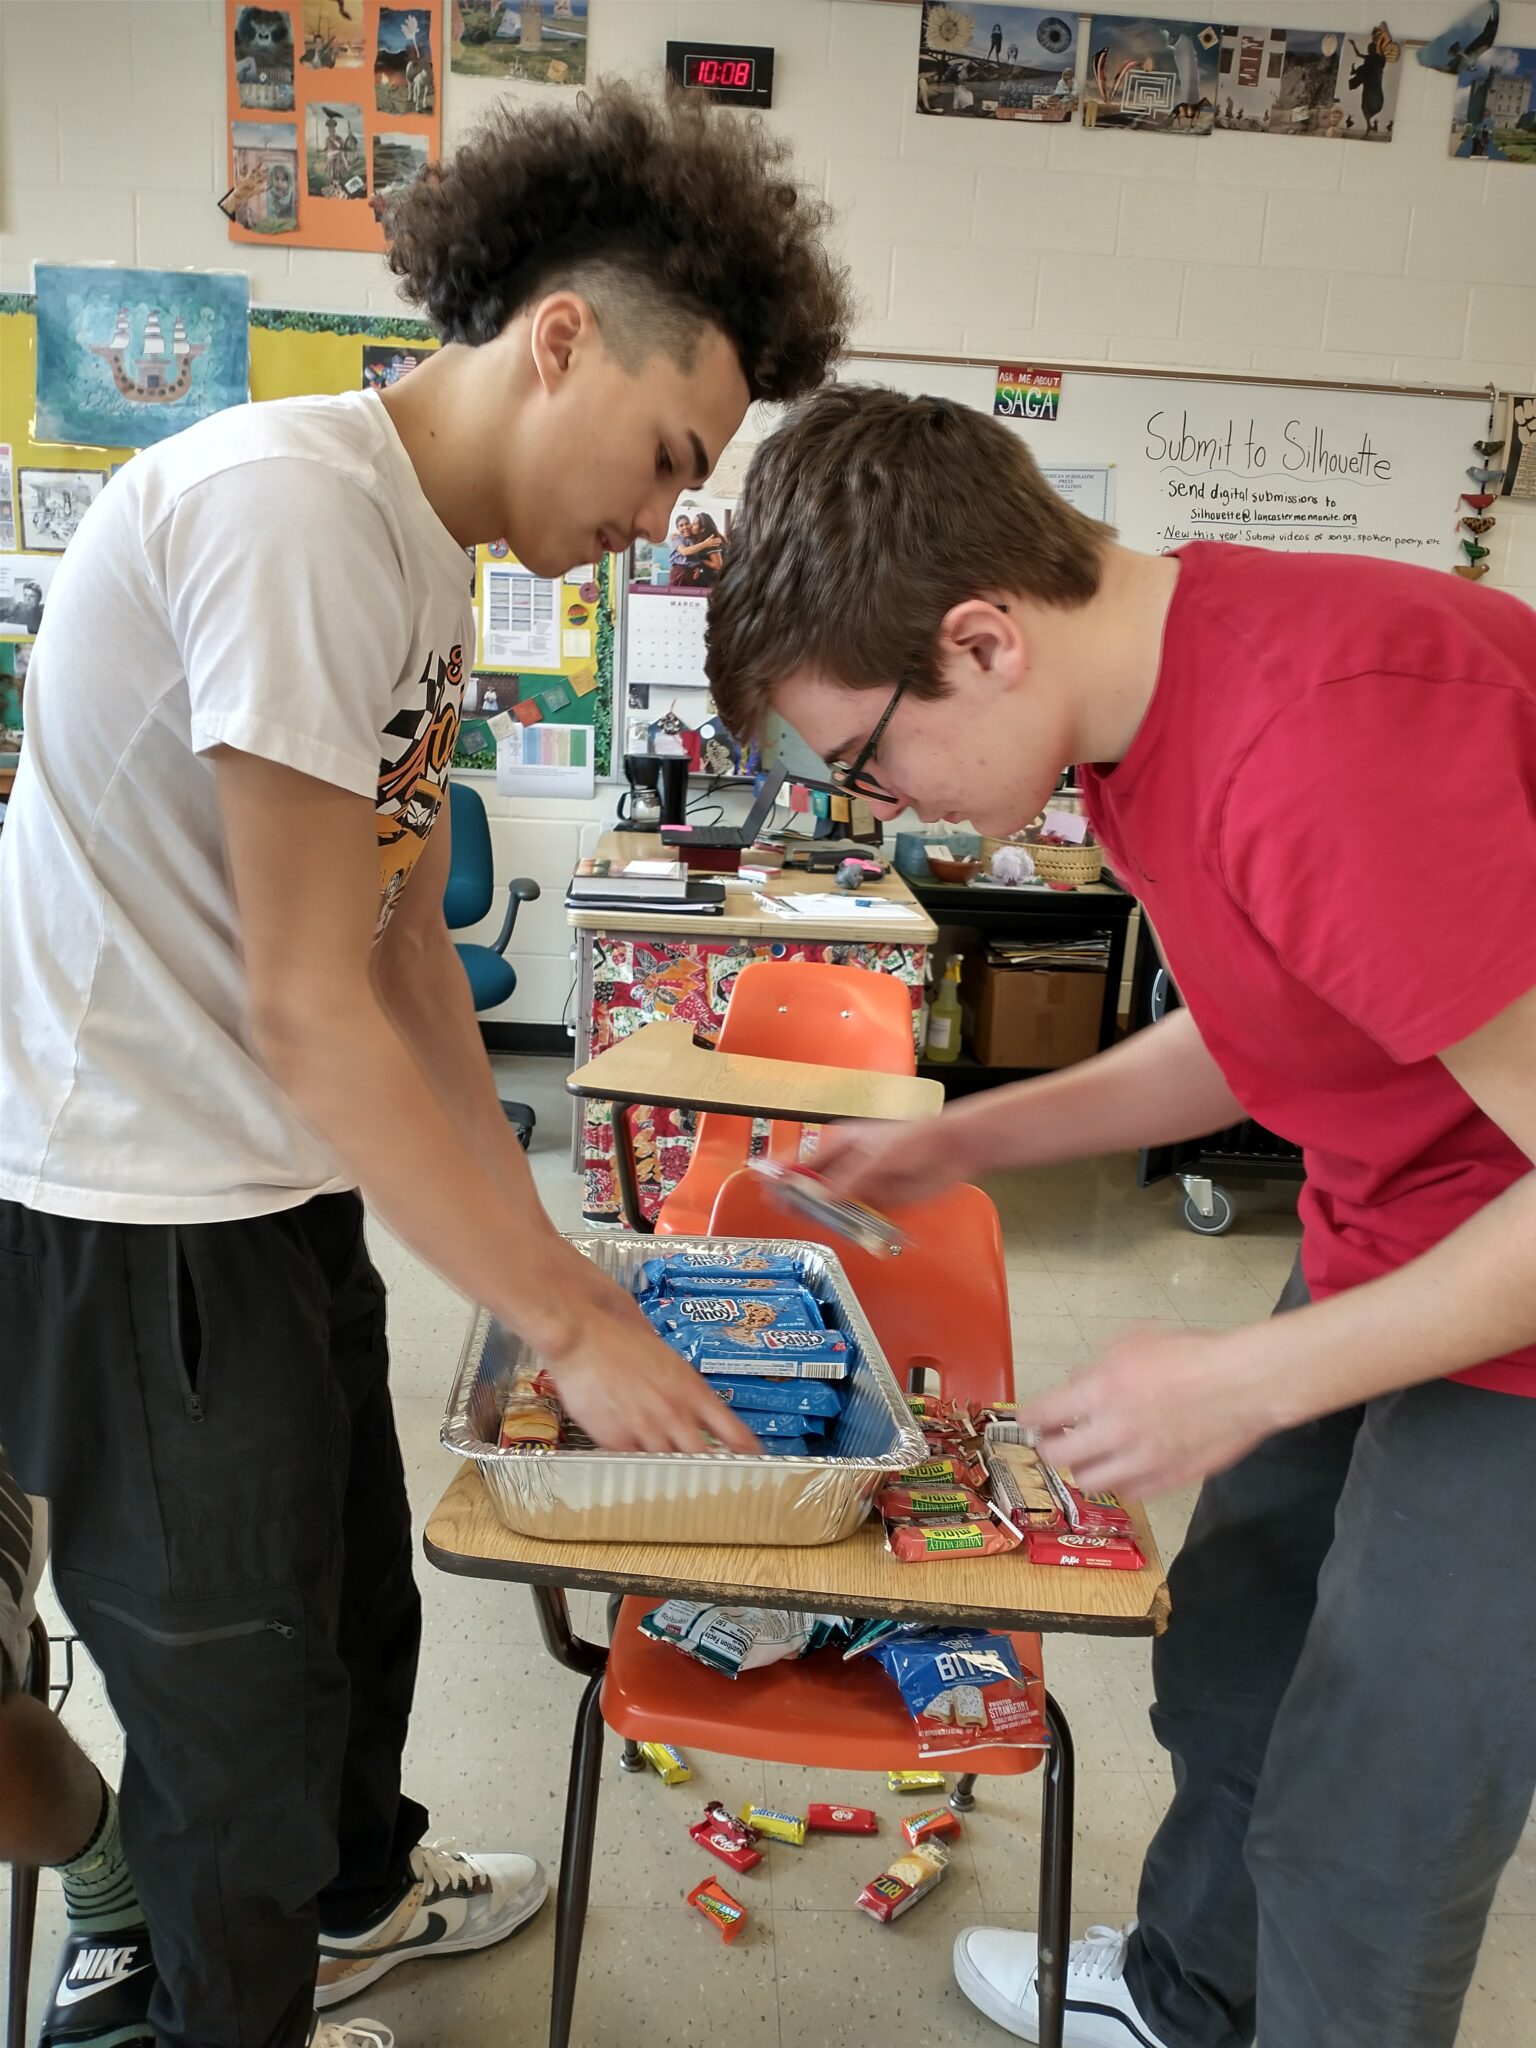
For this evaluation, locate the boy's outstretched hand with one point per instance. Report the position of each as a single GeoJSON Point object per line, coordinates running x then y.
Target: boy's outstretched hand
{"type": "Point", "coordinates": [1161, 1409]}
{"type": "Point", "coordinates": [886, 1164]}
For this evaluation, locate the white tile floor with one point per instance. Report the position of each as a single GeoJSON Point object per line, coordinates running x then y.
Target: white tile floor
{"type": "Point", "coordinates": [1087, 1252]}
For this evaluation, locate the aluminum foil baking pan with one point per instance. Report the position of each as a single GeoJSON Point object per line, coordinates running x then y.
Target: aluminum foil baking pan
{"type": "Point", "coordinates": [573, 1495]}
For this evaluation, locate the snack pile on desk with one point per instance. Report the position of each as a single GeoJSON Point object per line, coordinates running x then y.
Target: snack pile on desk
{"type": "Point", "coordinates": [983, 1491]}
{"type": "Point", "coordinates": [748, 1322]}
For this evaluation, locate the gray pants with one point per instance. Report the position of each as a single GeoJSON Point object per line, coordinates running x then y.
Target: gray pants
{"type": "Point", "coordinates": [1348, 1692]}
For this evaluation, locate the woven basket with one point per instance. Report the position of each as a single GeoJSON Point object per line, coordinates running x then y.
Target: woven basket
{"type": "Point", "coordinates": [1075, 864]}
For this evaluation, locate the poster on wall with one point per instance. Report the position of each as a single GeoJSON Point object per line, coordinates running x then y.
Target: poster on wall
{"type": "Point", "coordinates": [1319, 82]}
{"type": "Point", "coordinates": [1519, 457]}
{"type": "Point", "coordinates": [385, 363]}
{"type": "Point", "coordinates": [7, 514]}
{"type": "Point", "coordinates": [127, 357]}
{"type": "Point", "coordinates": [264, 161]}
{"type": "Point", "coordinates": [53, 503]}
{"type": "Point", "coordinates": [25, 581]}
{"type": "Point", "coordinates": [1464, 41]}
{"type": "Point", "coordinates": [1158, 77]}
{"type": "Point", "coordinates": [543, 40]}
{"type": "Point", "coordinates": [1494, 113]}
{"type": "Point", "coordinates": [998, 63]}
{"type": "Point", "coordinates": [333, 106]}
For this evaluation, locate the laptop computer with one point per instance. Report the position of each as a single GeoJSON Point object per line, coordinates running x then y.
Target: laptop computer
{"type": "Point", "coordinates": [686, 836]}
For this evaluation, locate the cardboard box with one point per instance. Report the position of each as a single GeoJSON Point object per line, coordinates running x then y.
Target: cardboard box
{"type": "Point", "coordinates": [1031, 1016]}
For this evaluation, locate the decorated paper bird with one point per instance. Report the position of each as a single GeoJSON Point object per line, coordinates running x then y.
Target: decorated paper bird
{"type": "Point", "coordinates": [1473, 552]}
{"type": "Point", "coordinates": [1471, 570]}
{"type": "Point", "coordinates": [1486, 476]}
{"type": "Point", "coordinates": [1478, 525]}
{"type": "Point", "coordinates": [1478, 500]}
{"type": "Point", "coordinates": [1487, 448]}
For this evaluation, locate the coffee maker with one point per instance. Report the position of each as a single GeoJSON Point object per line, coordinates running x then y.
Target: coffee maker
{"type": "Point", "coordinates": [658, 791]}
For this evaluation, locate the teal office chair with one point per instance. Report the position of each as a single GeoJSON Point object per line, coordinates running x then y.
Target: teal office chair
{"type": "Point", "coordinates": [468, 897]}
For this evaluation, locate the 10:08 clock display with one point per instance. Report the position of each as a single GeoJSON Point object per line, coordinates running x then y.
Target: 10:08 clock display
{"type": "Point", "coordinates": [734, 74]}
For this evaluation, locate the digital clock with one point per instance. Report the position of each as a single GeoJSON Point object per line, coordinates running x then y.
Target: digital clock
{"type": "Point", "coordinates": [734, 74]}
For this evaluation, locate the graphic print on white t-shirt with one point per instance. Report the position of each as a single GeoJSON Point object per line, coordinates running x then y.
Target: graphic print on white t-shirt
{"type": "Point", "coordinates": [272, 581]}
{"type": "Point", "coordinates": [413, 781]}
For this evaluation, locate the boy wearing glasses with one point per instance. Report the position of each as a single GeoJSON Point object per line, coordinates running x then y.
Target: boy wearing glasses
{"type": "Point", "coordinates": [1264, 740]}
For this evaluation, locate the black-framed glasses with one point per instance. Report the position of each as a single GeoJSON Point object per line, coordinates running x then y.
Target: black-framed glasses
{"type": "Point", "coordinates": [848, 777]}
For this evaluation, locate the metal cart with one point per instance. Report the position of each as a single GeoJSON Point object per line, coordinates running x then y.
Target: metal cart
{"type": "Point", "coordinates": [1245, 1151]}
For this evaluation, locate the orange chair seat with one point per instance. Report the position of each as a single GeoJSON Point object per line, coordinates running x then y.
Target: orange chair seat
{"type": "Point", "coordinates": [817, 1710]}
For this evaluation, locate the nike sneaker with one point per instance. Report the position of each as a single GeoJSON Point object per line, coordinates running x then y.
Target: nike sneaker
{"type": "Point", "coordinates": [456, 1902]}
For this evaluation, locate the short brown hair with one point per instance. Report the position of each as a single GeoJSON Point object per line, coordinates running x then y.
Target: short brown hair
{"type": "Point", "coordinates": [664, 213]}
{"type": "Point", "coordinates": [861, 523]}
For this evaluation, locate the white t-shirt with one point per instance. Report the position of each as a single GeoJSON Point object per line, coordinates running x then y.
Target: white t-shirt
{"type": "Point", "coordinates": [273, 580]}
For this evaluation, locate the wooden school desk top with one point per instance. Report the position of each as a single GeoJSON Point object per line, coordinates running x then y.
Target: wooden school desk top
{"type": "Point", "coordinates": [744, 918]}
{"type": "Point", "coordinates": [858, 1576]}
{"type": "Point", "coordinates": [661, 1063]}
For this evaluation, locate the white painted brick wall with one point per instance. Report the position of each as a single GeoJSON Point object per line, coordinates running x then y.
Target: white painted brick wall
{"type": "Point", "coordinates": [1238, 253]}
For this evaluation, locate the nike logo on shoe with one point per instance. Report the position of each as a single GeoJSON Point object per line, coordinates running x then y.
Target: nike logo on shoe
{"type": "Point", "coordinates": [424, 1929]}
{"type": "Point", "coordinates": [98, 1969]}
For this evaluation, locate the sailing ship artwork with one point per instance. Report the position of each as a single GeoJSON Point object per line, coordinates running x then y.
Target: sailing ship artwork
{"type": "Point", "coordinates": [127, 357]}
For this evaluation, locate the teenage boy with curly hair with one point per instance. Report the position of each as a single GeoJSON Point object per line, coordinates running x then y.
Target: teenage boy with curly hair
{"type": "Point", "coordinates": [232, 1003]}
{"type": "Point", "coordinates": [1265, 739]}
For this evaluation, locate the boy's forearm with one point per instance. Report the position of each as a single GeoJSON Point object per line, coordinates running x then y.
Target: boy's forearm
{"type": "Point", "coordinates": [423, 986]}
{"type": "Point", "coordinates": [467, 1208]}
{"type": "Point", "coordinates": [1157, 1087]}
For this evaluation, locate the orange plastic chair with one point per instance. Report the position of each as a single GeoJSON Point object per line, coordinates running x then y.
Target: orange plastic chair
{"type": "Point", "coordinates": [791, 1010]}
{"type": "Point", "coordinates": [939, 1310]}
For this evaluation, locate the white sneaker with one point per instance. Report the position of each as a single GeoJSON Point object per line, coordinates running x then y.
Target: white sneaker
{"type": "Point", "coordinates": [996, 1970]}
{"type": "Point", "coordinates": [457, 1902]}
{"type": "Point", "coordinates": [354, 2034]}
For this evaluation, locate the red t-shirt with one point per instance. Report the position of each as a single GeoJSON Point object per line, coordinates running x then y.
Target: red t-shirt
{"type": "Point", "coordinates": [1329, 812]}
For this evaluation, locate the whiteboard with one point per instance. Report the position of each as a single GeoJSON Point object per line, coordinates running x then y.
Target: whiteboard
{"type": "Point", "coordinates": [1297, 466]}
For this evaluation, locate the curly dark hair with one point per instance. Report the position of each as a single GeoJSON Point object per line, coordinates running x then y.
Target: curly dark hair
{"type": "Point", "coordinates": [672, 211]}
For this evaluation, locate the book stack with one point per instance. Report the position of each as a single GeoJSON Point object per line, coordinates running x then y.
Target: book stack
{"type": "Point", "coordinates": [652, 879]}
{"type": "Point", "coordinates": [638, 885]}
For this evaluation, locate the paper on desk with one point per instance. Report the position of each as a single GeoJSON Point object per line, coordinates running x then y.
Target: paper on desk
{"type": "Point", "coordinates": [833, 903]}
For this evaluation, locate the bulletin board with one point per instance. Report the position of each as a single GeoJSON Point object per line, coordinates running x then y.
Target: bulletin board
{"type": "Point", "coordinates": [568, 678]}
{"type": "Point", "coordinates": [331, 106]}
{"type": "Point", "coordinates": [296, 354]}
